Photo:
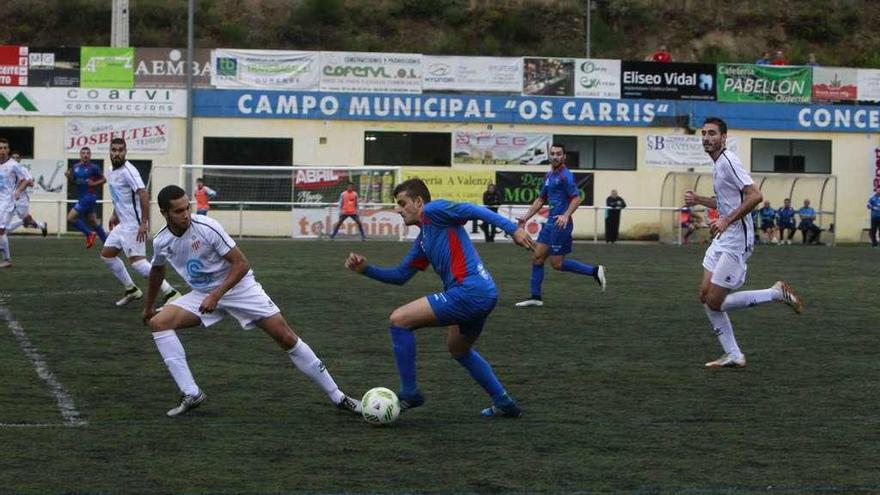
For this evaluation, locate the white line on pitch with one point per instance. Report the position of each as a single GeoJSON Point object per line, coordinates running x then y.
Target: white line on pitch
{"type": "Point", "coordinates": [62, 398]}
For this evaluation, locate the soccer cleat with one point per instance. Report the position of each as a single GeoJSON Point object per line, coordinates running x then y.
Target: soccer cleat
{"type": "Point", "coordinates": [44, 229]}
{"type": "Point", "coordinates": [530, 302]}
{"type": "Point", "coordinates": [600, 276]}
{"type": "Point", "coordinates": [90, 239]}
{"type": "Point", "coordinates": [350, 405]}
{"type": "Point", "coordinates": [168, 297]}
{"type": "Point", "coordinates": [131, 294]}
{"type": "Point", "coordinates": [507, 409]}
{"type": "Point", "coordinates": [728, 361]}
{"type": "Point", "coordinates": [5, 264]}
{"type": "Point", "coordinates": [789, 297]}
{"type": "Point", "coordinates": [187, 403]}
{"type": "Point", "coordinates": [408, 402]}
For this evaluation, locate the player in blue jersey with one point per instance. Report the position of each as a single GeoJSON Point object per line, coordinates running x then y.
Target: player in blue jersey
{"type": "Point", "coordinates": [785, 221]}
{"type": "Point", "coordinates": [768, 223]}
{"type": "Point", "coordinates": [555, 239]}
{"type": "Point", "coordinates": [87, 176]}
{"type": "Point", "coordinates": [874, 206]}
{"type": "Point", "coordinates": [468, 294]}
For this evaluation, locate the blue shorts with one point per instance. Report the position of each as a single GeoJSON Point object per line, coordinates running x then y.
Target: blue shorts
{"type": "Point", "coordinates": [459, 306]}
{"type": "Point", "coordinates": [767, 225]}
{"type": "Point", "coordinates": [85, 205]}
{"type": "Point", "coordinates": [559, 240]}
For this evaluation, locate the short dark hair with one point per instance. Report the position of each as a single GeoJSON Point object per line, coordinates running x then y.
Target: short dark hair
{"type": "Point", "coordinates": [557, 145]}
{"type": "Point", "coordinates": [722, 125]}
{"type": "Point", "coordinates": [4, 141]}
{"type": "Point", "coordinates": [117, 140]}
{"type": "Point", "coordinates": [414, 188]}
{"type": "Point", "coordinates": [168, 194]}
{"type": "Point", "coordinates": [85, 148]}
{"type": "Point", "coordinates": [199, 179]}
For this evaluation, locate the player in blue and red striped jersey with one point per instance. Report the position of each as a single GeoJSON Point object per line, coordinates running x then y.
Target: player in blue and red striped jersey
{"type": "Point", "coordinates": [87, 176]}
{"type": "Point", "coordinates": [555, 238]}
{"type": "Point", "coordinates": [468, 294]}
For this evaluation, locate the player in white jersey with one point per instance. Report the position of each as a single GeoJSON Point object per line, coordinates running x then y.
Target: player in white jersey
{"type": "Point", "coordinates": [129, 226]}
{"type": "Point", "coordinates": [724, 265]}
{"type": "Point", "coordinates": [23, 205]}
{"type": "Point", "coordinates": [222, 284]}
{"type": "Point", "coordinates": [13, 182]}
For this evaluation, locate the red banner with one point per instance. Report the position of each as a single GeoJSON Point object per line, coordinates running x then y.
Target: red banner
{"type": "Point", "coordinates": [13, 65]}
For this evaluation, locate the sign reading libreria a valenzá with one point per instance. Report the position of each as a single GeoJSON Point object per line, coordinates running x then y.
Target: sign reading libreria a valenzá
{"type": "Point", "coordinates": [764, 83]}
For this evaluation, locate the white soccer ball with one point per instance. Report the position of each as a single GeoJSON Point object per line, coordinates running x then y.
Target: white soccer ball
{"type": "Point", "coordinates": [380, 406]}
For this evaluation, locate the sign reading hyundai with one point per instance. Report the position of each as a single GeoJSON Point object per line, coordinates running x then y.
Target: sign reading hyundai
{"type": "Point", "coordinates": [654, 80]}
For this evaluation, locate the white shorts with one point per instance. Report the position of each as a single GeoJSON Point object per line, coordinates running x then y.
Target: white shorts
{"type": "Point", "coordinates": [6, 212]}
{"type": "Point", "coordinates": [728, 268]}
{"type": "Point", "coordinates": [125, 240]}
{"type": "Point", "coordinates": [248, 305]}
{"type": "Point", "coordinates": [22, 207]}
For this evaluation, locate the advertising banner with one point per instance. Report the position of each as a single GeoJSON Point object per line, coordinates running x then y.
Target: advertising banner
{"type": "Point", "coordinates": [141, 135]}
{"type": "Point", "coordinates": [832, 84]}
{"type": "Point", "coordinates": [93, 102]}
{"type": "Point", "coordinates": [680, 150]}
{"type": "Point", "coordinates": [500, 148]}
{"type": "Point", "coordinates": [50, 67]}
{"type": "Point", "coordinates": [318, 222]}
{"type": "Point", "coordinates": [268, 69]}
{"type": "Point", "coordinates": [548, 76]}
{"type": "Point", "coordinates": [670, 81]}
{"type": "Point", "coordinates": [597, 78]}
{"type": "Point", "coordinates": [764, 83]}
{"type": "Point", "coordinates": [371, 72]}
{"type": "Point", "coordinates": [106, 67]}
{"type": "Point", "coordinates": [462, 186]}
{"type": "Point", "coordinates": [13, 65]}
{"type": "Point", "coordinates": [323, 185]}
{"type": "Point", "coordinates": [166, 67]}
{"type": "Point", "coordinates": [48, 177]}
{"type": "Point", "coordinates": [869, 85]}
{"type": "Point", "coordinates": [515, 109]}
{"type": "Point", "coordinates": [476, 74]}
{"type": "Point", "coordinates": [875, 169]}
{"type": "Point", "coordinates": [522, 188]}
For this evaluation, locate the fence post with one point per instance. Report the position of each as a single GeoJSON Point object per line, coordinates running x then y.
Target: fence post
{"type": "Point", "coordinates": [595, 224]}
{"type": "Point", "coordinates": [240, 219]}
{"type": "Point", "coordinates": [60, 210]}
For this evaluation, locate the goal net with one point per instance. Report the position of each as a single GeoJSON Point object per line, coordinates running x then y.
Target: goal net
{"type": "Point", "coordinates": [301, 202]}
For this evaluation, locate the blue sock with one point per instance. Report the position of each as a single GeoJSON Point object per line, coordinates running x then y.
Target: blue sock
{"type": "Point", "coordinates": [578, 267]}
{"type": "Point", "coordinates": [481, 371]}
{"type": "Point", "coordinates": [101, 233]}
{"type": "Point", "coordinates": [81, 226]}
{"type": "Point", "coordinates": [404, 345]}
{"type": "Point", "coordinates": [537, 280]}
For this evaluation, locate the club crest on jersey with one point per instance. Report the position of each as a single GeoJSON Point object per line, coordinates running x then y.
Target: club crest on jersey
{"type": "Point", "coordinates": [196, 244]}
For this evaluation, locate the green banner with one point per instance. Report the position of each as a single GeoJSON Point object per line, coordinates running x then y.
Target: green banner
{"type": "Point", "coordinates": [764, 83]}
{"type": "Point", "coordinates": [106, 67]}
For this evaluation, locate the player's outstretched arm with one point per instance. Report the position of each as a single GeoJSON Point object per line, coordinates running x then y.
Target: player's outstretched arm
{"type": "Point", "coordinates": [157, 275]}
{"type": "Point", "coordinates": [398, 275]}
{"type": "Point", "coordinates": [534, 208]}
{"type": "Point", "coordinates": [691, 198]}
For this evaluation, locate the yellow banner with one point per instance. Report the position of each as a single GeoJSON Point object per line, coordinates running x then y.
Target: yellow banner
{"type": "Point", "coordinates": [461, 186]}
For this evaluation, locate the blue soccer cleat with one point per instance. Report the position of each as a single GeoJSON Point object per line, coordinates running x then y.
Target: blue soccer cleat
{"type": "Point", "coordinates": [410, 401]}
{"type": "Point", "coordinates": [505, 408]}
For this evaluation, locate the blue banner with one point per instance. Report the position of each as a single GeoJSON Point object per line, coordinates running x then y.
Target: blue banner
{"type": "Point", "coordinates": [530, 110]}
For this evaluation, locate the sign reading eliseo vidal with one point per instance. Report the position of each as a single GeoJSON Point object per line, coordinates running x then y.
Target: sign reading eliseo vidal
{"type": "Point", "coordinates": [141, 135]}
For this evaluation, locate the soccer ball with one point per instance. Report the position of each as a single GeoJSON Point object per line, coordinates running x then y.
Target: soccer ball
{"type": "Point", "coordinates": [380, 406]}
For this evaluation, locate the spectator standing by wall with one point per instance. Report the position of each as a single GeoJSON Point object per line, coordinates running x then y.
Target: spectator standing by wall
{"type": "Point", "coordinates": [661, 55]}
{"type": "Point", "coordinates": [764, 60]}
{"type": "Point", "coordinates": [491, 200]}
{"type": "Point", "coordinates": [779, 59]}
{"type": "Point", "coordinates": [612, 216]}
{"type": "Point", "coordinates": [874, 206]}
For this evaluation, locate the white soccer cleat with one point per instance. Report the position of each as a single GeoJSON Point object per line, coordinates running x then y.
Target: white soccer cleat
{"type": "Point", "coordinates": [167, 298]}
{"type": "Point", "coordinates": [728, 361]}
{"type": "Point", "coordinates": [529, 302]}
{"type": "Point", "coordinates": [187, 403]}
{"type": "Point", "coordinates": [348, 404]}
{"type": "Point", "coordinates": [132, 294]}
{"type": "Point", "coordinates": [789, 297]}
{"type": "Point", "coordinates": [5, 264]}
{"type": "Point", "coordinates": [600, 277]}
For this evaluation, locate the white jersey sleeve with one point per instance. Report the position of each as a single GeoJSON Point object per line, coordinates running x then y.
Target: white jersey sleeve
{"type": "Point", "coordinates": [160, 244]}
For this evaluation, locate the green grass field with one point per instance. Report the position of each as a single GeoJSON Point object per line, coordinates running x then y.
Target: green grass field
{"type": "Point", "coordinates": [615, 395]}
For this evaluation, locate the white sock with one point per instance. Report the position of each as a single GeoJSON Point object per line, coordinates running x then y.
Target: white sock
{"type": "Point", "coordinates": [117, 268]}
{"type": "Point", "coordinates": [306, 361]}
{"type": "Point", "coordinates": [4, 247]}
{"type": "Point", "coordinates": [143, 267]}
{"type": "Point", "coordinates": [723, 330]}
{"type": "Point", "coordinates": [747, 298]}
{"type": "Point", "coordinates": [14, 225]}
{"type": "Point", "coordinates": [175, 359]}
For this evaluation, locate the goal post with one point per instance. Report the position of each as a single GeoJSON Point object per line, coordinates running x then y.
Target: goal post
{"type": "Point", "coordinates": [297, 201]}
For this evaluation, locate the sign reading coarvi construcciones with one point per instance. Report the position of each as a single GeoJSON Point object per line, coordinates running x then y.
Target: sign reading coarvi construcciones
{"type": "Point", "coordinates": [93, 102]}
